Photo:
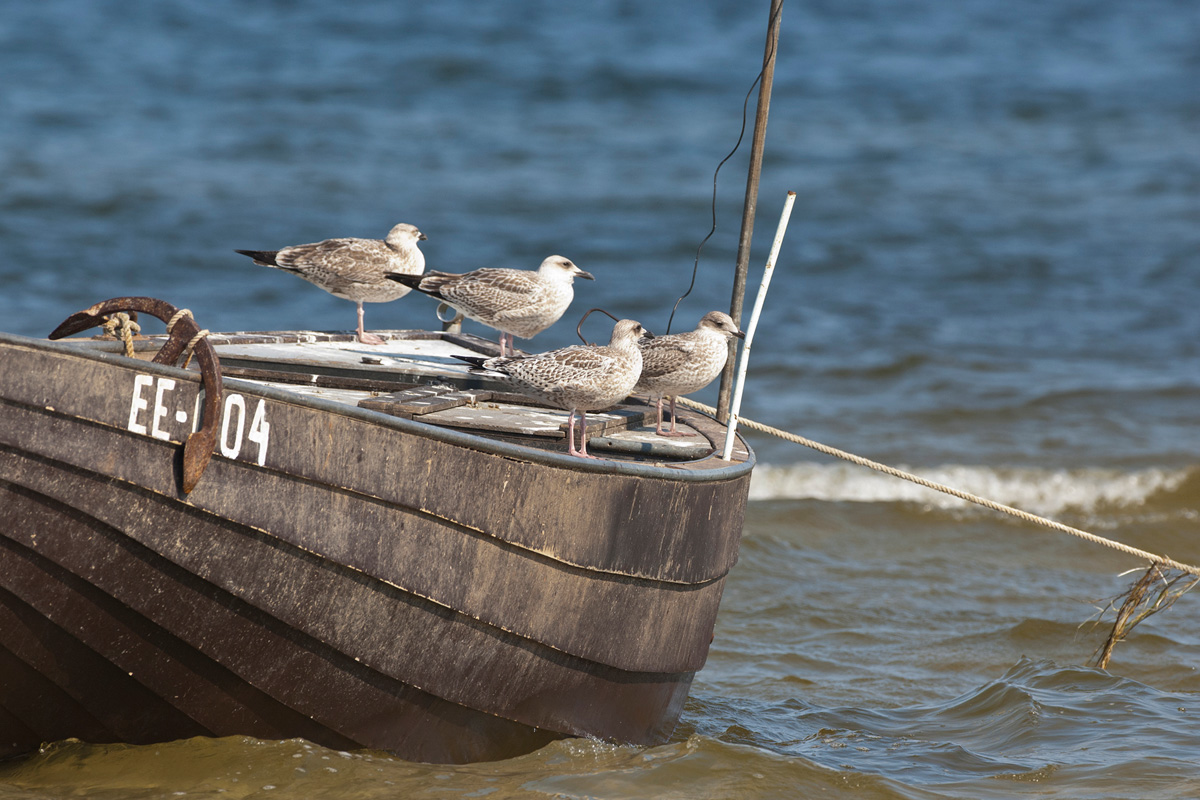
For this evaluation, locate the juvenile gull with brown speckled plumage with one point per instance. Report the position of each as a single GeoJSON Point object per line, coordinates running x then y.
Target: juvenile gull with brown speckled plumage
{"type": "Point", "coordinates": [578, 378]}
{"type": "Point", "coordinates": [353, 269]}
{"type": "Point", "coordinates": [682, 363]}
{"type": "Point", "coordinates": [515, 302]}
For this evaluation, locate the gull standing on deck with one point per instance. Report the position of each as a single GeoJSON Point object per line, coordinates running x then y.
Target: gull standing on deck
{"type": "Point", "coordinates": [353, 269]}
{"type": "Point", "coordinates": [516, 302]}
{"type": "Point", "coordinates": [682, 363]}
{"type": "Point", "coordinates": [578, 378]}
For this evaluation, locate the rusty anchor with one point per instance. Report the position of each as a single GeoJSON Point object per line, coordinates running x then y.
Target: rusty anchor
{"type": "Point", "coordinates": [184, 334]}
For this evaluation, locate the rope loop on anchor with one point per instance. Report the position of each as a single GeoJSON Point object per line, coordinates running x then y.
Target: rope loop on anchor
{"type": "Point", "coordinates": [178, 315]}
{"type": "Point", "coordinates": [121, 326]}
{"type": "Point", "coordinates": [191, 345]}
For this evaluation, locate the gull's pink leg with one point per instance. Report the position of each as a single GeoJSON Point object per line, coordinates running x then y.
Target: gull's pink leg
{"type": "Point", "coordinates": [571, 433]}
{"type": "Point", "coordinates": [583, 453]}
{"type": "Point", "coordinates": [658, 424]}
{"type": "Point", "coordinates": [363, 336]}
{"type": "Point", "coordinates": [671, 432]}
{"type": "Point", "coordinates": [506, 338]}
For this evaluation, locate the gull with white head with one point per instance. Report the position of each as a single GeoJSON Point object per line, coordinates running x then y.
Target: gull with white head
{"type": "Point", "coordinates": [353, 269]}
{"type": "Point", "coordinates": [515, 302]}
{"type": "Point", "coordinates": [682, 363]}
{"type": "Point", "coordinates": [579, 378]}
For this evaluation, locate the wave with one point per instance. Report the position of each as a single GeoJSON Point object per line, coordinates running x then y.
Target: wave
{"type": "Point", "coordinates": [1043, 491]}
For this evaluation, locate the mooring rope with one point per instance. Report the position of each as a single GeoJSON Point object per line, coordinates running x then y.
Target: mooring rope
{"type": "Point", "coordinates": [190, 348]}
{"type": "Point", "coordinates": [121, 326]}
{"type": "Point", "coordinates": [178, 315]}
{"type": "Point", "coordinates": [917, 479]}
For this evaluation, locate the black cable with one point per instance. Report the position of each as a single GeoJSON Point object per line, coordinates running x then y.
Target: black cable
{"type": "Point", "coordinates": [741, 136]}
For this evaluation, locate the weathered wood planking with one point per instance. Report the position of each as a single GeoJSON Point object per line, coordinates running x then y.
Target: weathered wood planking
{"type": "Point", "coordinates": [183, 661]}
{"type": "Point", "coordinates": [688, 518]}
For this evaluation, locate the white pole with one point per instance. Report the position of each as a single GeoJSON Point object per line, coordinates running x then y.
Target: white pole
{"type": "Point", "coordinates": [736, 405]}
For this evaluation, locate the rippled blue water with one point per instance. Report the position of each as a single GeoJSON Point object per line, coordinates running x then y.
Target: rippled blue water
{"type": "Point", "coordinates": [992, 275]}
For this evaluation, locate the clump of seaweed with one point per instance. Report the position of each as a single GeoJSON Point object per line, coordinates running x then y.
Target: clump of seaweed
{"type": "Point", "coordinates": [1156, 590]}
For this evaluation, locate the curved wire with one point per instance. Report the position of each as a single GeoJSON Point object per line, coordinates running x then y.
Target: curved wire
{"type": "Point", "coordinates": [717, 171]}
{"type": "Point", "coordinates": [579, 327]}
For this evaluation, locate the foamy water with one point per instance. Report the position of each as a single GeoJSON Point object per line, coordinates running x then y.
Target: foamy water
{"type": "Point", "coordinates": [1036, 490]}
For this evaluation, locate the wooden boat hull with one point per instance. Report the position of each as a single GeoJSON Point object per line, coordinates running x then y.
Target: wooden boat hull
{"type": "Point", "coordinates": [336, 574]}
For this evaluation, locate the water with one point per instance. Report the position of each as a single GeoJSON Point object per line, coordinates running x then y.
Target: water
{"type": "Point", "coordinates": [991, 277]}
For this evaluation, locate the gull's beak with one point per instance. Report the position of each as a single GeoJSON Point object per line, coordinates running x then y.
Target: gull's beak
{"type": "Point", "coordinates": [578, 274]}
{"type": "Point", "coordinates": [422, 237]}
{"type": "Point", "coordinates": [740, 334]}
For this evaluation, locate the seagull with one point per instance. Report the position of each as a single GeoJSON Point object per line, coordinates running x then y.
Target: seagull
{"type": "Point", "coordinates": [579, 378]}
{"type": "Point", "coordinates": [353, 269]}
{"type": "Point", "coordinates": [516, 302]}
{"type": "Point", "coordinates": [682, 363]}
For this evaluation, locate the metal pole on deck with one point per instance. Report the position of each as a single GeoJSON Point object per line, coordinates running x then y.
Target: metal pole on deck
{"type": "Point", "coordinates": [751, 204]}
{"type": "Point", "coordinates": [736, 408]}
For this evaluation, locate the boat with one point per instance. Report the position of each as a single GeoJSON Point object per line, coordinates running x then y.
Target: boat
{"type": "Point", "coordinates": [292, 534]}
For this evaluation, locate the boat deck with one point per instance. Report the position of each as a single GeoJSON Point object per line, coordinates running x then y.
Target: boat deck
{"type": "Point", "coordinates": [415, 375]}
